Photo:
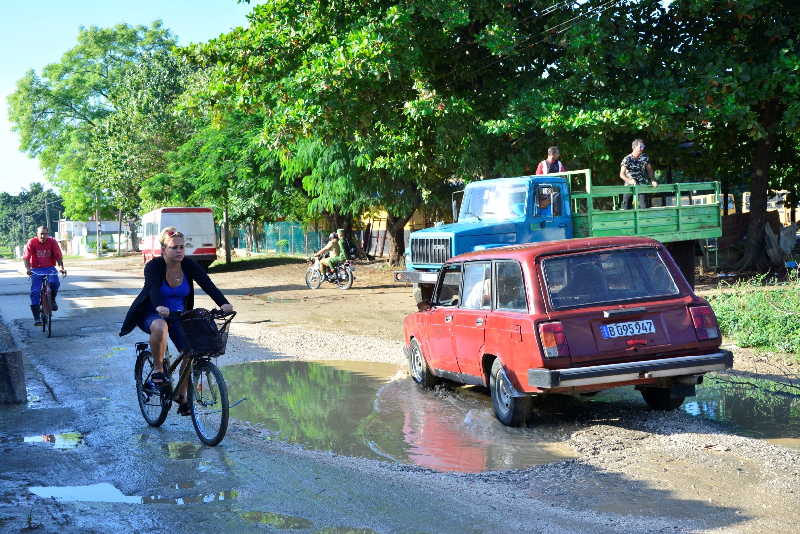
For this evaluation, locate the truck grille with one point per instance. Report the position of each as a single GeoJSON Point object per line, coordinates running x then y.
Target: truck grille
{"type": "Point", "coordinates": [430, 249]}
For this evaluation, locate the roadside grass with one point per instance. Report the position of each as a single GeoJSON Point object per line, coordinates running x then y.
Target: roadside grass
{"type": "Point", "coordinates": [766, 318]}
{"type": "Point", "coordinates": [7, 253]}
{"type": "Point", "coordinates": [253, 262]}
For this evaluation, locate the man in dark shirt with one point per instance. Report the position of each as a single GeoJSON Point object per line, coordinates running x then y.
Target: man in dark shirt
{"type": "Point", "coordinates": [635, 169]}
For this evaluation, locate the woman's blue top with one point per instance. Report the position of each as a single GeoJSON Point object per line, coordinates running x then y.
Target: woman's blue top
{"type": "Point", "coordinates": [174, 298]}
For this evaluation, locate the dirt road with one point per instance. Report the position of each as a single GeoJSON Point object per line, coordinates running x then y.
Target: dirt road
{"type": "Point", "coordinates": [341, 437]}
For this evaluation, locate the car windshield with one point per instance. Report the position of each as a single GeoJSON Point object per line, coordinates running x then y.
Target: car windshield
{"type": "Point", "coordinates": [578, 280]}
{"type": "Point", "coordinates": [494, 201]}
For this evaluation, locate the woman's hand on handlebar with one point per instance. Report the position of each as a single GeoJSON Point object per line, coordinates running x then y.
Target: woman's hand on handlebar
{"type": "Point", "coordinates": [227, 308]}
{"type": "Point", "coordinates": [163, 311]}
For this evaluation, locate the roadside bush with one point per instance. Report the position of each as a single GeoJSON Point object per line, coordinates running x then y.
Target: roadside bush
{"type": "Point", "coordinates": [762, 317]}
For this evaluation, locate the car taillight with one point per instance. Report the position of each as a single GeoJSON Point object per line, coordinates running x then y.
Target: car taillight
{"type": "Point", "coordinates": [705, 323]}
{"type": "Point", "coordinates": [554, 342]}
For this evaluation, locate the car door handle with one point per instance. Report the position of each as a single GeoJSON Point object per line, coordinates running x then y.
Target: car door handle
{"type": "Point", "coordinates": [448, 318]}
{"type": "Point", "coordinates": [479, 321]}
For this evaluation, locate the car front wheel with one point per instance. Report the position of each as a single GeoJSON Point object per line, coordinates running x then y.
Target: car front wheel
{"type": "Point", "coordinates": [661, 399]}
{"type": "Point", "coordinates": [509, 410]}
{"type": "Point", "coordinates": [418, 366]}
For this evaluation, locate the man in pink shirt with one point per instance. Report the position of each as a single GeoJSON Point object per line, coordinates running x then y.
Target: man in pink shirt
{"type": "Point", "coordinates": [41, 255]}
{"type": "Point", "coordinates": [551, 165]}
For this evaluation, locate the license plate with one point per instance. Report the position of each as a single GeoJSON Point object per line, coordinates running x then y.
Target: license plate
{"type": "Point", "coordinates": [628, 328]}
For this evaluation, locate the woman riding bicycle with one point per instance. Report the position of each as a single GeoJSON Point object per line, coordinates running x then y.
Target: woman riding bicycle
{"type": "Point", "coordinates": [169, 289]}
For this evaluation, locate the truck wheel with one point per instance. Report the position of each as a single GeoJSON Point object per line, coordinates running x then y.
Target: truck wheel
{"type": "Point", "coordinates": [422, 292]}
{"type": "Point", "coordinates": [418, 367]}
{"type": "Point", "coordinates": [661, 399]}
{"type": "Point", "coordinates": [509, 410]}
{"type": "Point", "coordinates": [683, 254]}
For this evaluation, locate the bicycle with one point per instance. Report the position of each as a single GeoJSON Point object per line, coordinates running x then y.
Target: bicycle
{"type": "Point", "coordinates": [207, 391]}
{"type": "Point", "coordinates": [45, 304]}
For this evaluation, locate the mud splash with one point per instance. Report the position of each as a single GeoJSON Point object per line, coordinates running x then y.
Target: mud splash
{"type": "Point", "coordinates": [358, 409]}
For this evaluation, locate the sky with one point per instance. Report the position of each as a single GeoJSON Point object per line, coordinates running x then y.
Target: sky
{"type": "Point", "coordinates": [36, 33]}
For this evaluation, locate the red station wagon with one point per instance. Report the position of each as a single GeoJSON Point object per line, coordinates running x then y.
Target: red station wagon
{"type": "Point", "coordinates": [570, 317]}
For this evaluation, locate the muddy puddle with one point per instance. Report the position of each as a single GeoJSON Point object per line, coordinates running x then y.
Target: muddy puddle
{"type": "Point", "coordinates": [63, 441]}
{"type": "Point", "coordinates": [369, 410]}
{"type": "Point", "coordinates": [746, 406]}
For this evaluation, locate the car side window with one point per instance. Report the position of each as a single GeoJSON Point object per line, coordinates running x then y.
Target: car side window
{"type": "Point", "coordinates": [509, 287]}
{"type": "Point", "coordinates": [449, 290]}
{"type": "Point", "coordinates": [477, 286]}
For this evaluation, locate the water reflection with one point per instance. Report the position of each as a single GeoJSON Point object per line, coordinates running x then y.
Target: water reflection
{"type": "Point", "coordinates": [108, 493]}
{"type": "Point", "coordinates": [279, 521]}
{"type": "Point", "coordinates": [752, 407]}
{"type": "Point", "coordinates": [353, 408]}
{"type": "Point", "coordinates": [64, 441]}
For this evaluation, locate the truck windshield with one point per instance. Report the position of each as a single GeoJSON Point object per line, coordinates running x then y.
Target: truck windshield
{"type": "Point", "coordinates": [494, 201]}
{"type": "Point", "coordinates": [577, 280]}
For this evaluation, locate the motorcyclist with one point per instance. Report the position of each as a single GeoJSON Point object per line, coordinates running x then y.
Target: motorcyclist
{"type": "Point", "coordinates": [336, 254]}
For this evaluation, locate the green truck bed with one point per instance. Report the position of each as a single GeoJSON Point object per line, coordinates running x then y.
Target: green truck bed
{"type": "Point", "coordinates": [597, 211]}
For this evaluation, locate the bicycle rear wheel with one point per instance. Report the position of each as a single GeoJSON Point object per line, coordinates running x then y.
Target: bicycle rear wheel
{"type": "Point", "coordinates": [153, 403]}
{"type": "Point", "coordinates": [208, 396]}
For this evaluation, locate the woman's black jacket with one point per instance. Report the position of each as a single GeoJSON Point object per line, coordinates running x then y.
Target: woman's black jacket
{"type": "Point", "coordinates": [155, 272]}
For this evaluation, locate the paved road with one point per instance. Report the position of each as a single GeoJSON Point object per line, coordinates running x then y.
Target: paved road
{"type": "Point", "coordinates": [133, 478]}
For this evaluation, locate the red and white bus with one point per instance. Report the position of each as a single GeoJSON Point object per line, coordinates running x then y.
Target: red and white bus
{"type": "Point", "coordinates": [196, 224]}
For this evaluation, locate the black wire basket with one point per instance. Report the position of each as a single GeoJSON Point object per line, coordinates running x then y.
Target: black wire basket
{"type": "Point", "coordinates": [206, 331]}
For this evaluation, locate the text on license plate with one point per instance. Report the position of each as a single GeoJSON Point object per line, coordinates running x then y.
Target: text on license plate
{"type": "Point", "coordinates": [628, 328]}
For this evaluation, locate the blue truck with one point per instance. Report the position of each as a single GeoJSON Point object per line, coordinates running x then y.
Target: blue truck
{"type": "Point", "coordinates": [508, 211]}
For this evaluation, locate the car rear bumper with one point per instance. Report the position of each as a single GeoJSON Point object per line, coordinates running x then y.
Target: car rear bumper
{"type": "Point", "coordinates": [624, 372]}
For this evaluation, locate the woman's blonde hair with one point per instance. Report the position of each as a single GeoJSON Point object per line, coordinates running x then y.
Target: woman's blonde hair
{"type": "Point", "coordinates": [168, 233]}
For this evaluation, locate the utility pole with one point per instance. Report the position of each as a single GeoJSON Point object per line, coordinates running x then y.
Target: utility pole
{"type": "Point", "coordinates": [47, 215]}
{"type": "Point", "coordinates": [97, 225]}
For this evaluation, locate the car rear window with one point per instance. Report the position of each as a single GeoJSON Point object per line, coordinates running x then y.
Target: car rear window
{"type": "Point", "coordinates": [605, 277]}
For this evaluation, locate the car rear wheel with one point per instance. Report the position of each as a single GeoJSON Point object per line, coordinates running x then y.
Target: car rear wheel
{"type": "Point", "coordinates": [418, 367]}
{"type": "Point", "coordinates": [509, 410]}
{"type": "Point", "coordinates": [661, 398]}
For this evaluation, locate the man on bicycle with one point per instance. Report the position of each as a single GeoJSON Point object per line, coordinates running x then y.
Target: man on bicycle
{"type": "Point", "coordinates": [41, 255]}
{"type": "Point", "coordinates": [336, 254]}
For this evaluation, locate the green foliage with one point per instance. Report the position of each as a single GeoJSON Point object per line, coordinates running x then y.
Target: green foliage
{"type": "Point", "coordinates": [62, 112]}
{"type": "Point", "coordinates": [21, 214]}
{"type": "Point", "coordinates": [761, 317]}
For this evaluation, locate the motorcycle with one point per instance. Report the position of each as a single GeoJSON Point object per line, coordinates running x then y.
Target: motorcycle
{"type": "Point", "coordinates": [342, 275]}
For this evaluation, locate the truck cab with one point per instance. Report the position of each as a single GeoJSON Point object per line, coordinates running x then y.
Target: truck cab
{"type": "Point", "coordinates": [496, 213]}
{"type": "Point", "coordinates": [530, 209]}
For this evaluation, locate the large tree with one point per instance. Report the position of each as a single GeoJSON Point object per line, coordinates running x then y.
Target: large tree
{"type": "Point", "coordinates": [60, 112]}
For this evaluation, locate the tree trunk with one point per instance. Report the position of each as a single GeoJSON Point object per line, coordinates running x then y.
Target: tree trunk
{"type": "Point", "coordinates": [395, 231]}
{"type": "Point", "coordinates": [754, 256]}
{"type": "Point", "coordinates": [226, 234]}
{"type": "Point", "coordinates": [134, 236]}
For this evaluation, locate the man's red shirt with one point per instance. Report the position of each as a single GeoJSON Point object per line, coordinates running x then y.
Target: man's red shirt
{"type": "Point", "coordinates": [42, 254]}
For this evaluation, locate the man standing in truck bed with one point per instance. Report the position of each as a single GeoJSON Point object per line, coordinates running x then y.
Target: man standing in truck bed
{"type": "Point", "coordinates": [635, 169]}
{"type": "Point", "coordinates": [551, 165]}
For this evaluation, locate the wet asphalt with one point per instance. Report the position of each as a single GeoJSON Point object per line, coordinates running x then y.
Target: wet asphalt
{"type": "Point", "coordinates": [91, 464]}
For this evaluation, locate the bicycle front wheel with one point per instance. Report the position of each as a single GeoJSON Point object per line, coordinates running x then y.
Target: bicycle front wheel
{"type": "Point", "coordinates": [153, 403]}
{"type": "Point", "coordinates": [49, 325]}
{"type": "Point", "coordinates": [208, 396]}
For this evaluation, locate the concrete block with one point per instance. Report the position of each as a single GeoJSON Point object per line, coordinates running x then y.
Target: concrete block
{"type": "Point", "coordinates": [12, 378]}
{"type": "Point", "coordinates": [12, 370]}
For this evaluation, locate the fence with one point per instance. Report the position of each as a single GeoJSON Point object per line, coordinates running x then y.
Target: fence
{"type": "Point", "coordinates": [293, 238]}
{"type": "Point", "coordinates": [280, 238]}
